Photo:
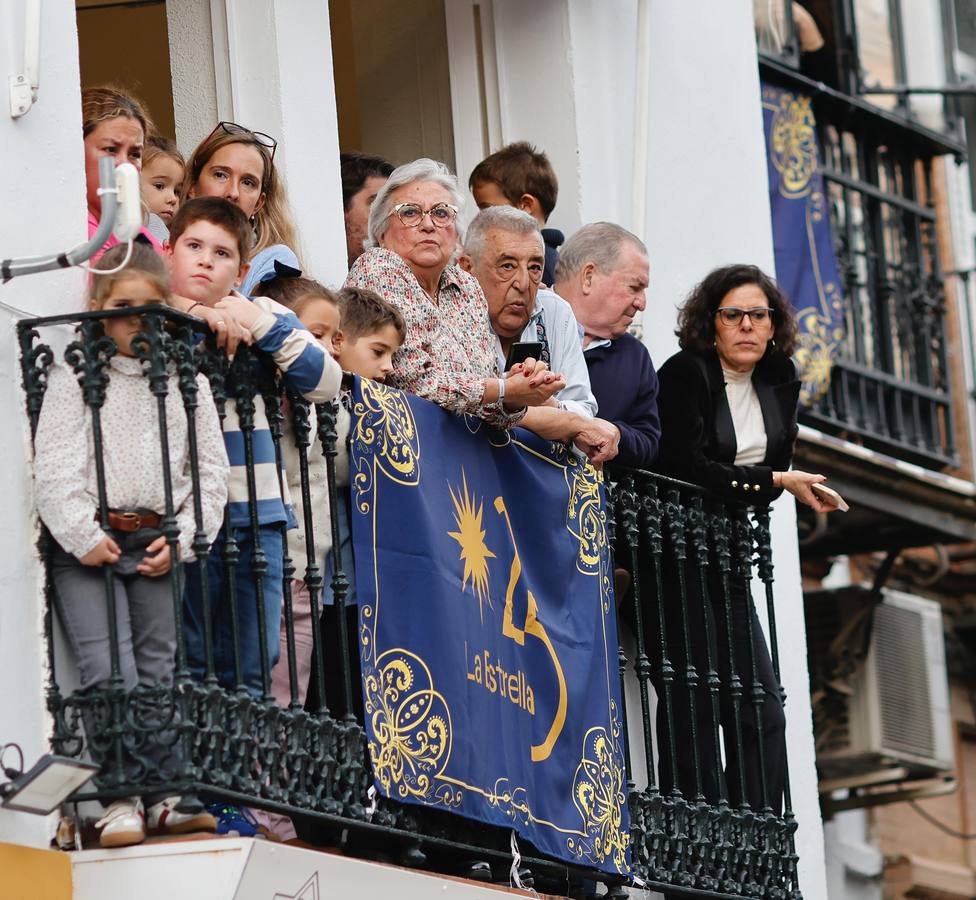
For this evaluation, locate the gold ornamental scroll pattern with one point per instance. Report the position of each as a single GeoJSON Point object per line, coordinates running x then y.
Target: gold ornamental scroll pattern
{"type": "Point", "coordinates": [793, 152]}
{"type": "Point", "coordinates": [385, 421]}
{"type": "Point", "coordinates": [586, 520]}
{"type": "Point", "coordinates": [793, 149]}
{"type": "Point", "coordinates": [411, 724]}
{"type": "Point", "coordinates": [599, 792]}
{"type": "Point", "coordinates": [819, 329]}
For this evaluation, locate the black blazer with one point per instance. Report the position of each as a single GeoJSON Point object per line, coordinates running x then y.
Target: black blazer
{"type": "Point", "coordinates": [697, 434]}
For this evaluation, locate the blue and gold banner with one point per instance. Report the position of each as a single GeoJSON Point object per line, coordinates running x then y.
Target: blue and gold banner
{"type": "Point", "coordinates": [487, 627]}
{"type": "Point", "coordinates": [806, 265]}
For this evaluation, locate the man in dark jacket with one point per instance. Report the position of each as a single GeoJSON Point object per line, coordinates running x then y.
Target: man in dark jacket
{"type": "Point", "coordinates": [603, 273]}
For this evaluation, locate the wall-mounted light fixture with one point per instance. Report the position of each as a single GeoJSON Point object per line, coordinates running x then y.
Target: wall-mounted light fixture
{"type": "Point", "coordinates": [43, 788]}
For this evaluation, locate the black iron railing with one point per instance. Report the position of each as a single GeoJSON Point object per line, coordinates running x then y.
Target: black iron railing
{"type": "Point", "coordinates": [890, 380]}
{"type": "Point", "coordinates": [685, 562]}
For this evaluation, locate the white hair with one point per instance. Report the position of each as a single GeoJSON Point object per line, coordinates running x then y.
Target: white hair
{"type": "Point", "coordinates": [419, 170]}
{"type": "Point", "coordinates": [504, 218]}
{"type": "Point", "coordinates": [598, 243]}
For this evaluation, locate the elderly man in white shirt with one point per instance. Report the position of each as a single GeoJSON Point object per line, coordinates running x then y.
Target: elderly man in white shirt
{"type": "Point", "coordinates": [504, 250]}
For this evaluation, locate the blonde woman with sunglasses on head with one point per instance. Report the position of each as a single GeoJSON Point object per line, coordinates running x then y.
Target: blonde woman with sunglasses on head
{"type": "Point", "coordinates": [237, 164]}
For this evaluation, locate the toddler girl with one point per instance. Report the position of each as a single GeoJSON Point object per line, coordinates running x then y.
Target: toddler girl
{"type": "Point", "coordinates": [163, 168]}
{"type": "Point", "coordinates": [133, 545]}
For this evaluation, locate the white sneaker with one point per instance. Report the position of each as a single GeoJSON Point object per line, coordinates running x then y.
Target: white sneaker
{"type": "Point", "coordinates": [123, 824]}
{"type": "Point", "coordinates": [163, 818]}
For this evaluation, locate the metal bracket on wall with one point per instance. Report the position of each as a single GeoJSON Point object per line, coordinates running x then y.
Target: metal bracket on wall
{"type": "Point", "coordinates": [24, 85]}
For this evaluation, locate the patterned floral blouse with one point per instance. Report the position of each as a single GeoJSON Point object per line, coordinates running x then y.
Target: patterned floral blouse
{"type": "Point", "coordinates": [449, 348]}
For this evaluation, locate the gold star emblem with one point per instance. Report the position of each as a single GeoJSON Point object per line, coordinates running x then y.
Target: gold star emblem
{"type": "Point", "coordinates": [471, 538]}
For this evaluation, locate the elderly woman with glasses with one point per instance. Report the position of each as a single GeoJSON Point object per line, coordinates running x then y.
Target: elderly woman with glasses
{"type": "Point", "coordinates": [448, 355]}
{"type": "Point", "coordinates": [728, 404]}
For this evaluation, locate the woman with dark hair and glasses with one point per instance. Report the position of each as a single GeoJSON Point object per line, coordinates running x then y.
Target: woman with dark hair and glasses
{"type": "Point", "coordinates": [728, 405]}
{"type": "Point", "coordinates": [729, 397]}
{"type": "Point", "coordinates": [448, 355]}
{"type": "Point", "coordinates": [237, 164]}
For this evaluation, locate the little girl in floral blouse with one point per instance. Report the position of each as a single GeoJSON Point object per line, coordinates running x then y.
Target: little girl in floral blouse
{"type": "Point", "coordinates": [135, 547]}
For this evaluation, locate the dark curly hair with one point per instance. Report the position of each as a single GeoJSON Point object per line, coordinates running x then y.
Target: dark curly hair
{"type": "Point", "coordinates": [696, 318]}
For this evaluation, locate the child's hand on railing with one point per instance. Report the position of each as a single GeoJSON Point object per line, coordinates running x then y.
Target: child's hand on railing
{"type": "Point", "coordinates": [106, 551]}
{"type": "Point", "coordinates": [245, 312]}
{"type": "Point", "coordinates": [157, 560]}
{"type": "Point", "coordinates": [226, 325]}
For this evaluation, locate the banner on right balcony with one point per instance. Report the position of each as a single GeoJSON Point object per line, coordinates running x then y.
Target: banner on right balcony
{"type": "Point", "coordinates": [806, 264]}
{"type": "Point", "coordinates": [487, 627]}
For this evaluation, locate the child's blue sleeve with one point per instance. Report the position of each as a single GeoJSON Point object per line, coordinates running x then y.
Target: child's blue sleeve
{"type": "Point", "coordinates": [307, 368]}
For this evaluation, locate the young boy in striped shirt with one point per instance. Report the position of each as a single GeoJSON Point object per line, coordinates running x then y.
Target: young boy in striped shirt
{"type": "Point", "coordinates": [210, 240]}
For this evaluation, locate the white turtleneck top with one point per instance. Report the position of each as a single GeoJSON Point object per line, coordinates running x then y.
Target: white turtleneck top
{"type": "Point", "coordinates": [747, 418]}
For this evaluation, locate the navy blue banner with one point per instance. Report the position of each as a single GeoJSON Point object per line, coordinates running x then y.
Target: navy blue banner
{"type": "Point", "coordinates": [806, 265]}
{"type": "Point", "coordinates": [487, 627]}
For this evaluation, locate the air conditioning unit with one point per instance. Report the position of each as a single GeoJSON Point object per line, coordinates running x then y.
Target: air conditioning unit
{"type": "Point", "coordinates": [881, 695]}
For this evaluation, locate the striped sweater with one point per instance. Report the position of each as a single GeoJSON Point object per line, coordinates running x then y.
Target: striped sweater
{"type": "Point", "coordinates": [308, 370]}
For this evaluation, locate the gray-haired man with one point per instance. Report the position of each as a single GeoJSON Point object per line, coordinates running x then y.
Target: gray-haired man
{"type": "Point", "coordinates": [504, 250]}
{"type": "Point", "coordinates": [603, 273]}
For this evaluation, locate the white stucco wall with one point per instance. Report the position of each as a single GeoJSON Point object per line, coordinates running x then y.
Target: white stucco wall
{"type": "Point", "coordinates": [566, 84]}
{"type": "Point", "coordinates": [43, 211]}
{"type": "Point", "coordinates": [924, 58]}
{"type": "Point", "coordinates": [191, 62]}
{"type": "Point", "coordinates": [268, 66]}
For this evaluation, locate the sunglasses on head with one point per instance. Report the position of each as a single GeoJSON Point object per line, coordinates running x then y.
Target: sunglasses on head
{"type": "Point", "coordinates": [257, 137]}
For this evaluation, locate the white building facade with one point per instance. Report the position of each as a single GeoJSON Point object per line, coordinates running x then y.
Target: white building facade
{"type": "Point", "coordinates": [650, 113]}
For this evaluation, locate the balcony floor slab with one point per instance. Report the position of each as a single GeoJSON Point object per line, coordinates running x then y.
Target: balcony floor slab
{"type": "Point", "coordinates": [248, 869]}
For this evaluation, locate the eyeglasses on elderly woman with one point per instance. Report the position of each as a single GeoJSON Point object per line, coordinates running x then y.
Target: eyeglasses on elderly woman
{"type": "Point", "coordinates": [412, 214]}
{"type": "Point", "coordinates": [258, 137]}
{"type": "Point", "coordinates": [732, 315]}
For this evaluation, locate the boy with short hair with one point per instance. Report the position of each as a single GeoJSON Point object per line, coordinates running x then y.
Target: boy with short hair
{"type": "Point", "coordinates": [520, 175]}
{"type": "Point", "coordinates": [371, 330]}
{"type": "Point", "coordinates": [209, 240]}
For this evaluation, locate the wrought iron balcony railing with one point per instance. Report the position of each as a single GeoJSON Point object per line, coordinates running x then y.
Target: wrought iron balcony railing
{"type": "Point", "coordinates": [890, 383]}
{"type": "Point", "coordinates": [710, 831]}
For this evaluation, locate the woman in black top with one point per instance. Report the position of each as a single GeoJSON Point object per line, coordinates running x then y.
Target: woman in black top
{"type": "Point", "coordinates": [728, 404]}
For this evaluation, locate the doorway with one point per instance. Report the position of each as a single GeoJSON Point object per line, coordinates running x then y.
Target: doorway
{"type": "Point", "coordinates": [126, 45]}
{"type": "Point", "coordinates": [392, 79]}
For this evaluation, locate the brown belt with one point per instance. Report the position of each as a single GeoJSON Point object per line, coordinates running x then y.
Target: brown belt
{"type": "Point", "coordinates": [132, 521]}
